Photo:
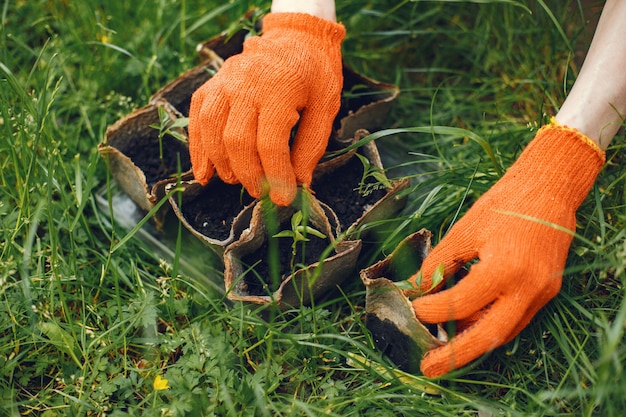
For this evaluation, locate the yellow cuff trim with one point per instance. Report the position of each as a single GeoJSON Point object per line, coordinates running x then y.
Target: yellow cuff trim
{"type": "Point", "coordinates": [556, 125]}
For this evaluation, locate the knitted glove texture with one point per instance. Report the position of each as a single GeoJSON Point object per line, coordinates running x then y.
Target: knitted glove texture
{"type": "Point", "coordinates": [241, 120]}
{"type": "Point", "coordinates": [520, 232]}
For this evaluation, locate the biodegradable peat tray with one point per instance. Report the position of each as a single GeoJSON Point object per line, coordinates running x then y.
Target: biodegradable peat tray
{"type": "Point", "coordinates": [148, 156]}
{"type": "Point", "coordinates": [139, 160]}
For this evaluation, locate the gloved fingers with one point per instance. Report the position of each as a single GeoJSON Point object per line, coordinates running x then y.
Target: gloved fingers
{"type": "Point", "coordinates": [312, 138]}
{"type": "Point", "coordinates": [531, 311]}
{"type": "Point", "coordinates": [453, 252]}
{"type": "Point", "coordinates": [466, 323]}
{"type": "Point", "coordinates": [461, 301]}
{"type": "Point", "coordinates": [208, 113]}
{"type": "Point", "coordinates": [274, 131]}
{"type": "Point", "coordinates": [488, 333]}
{"type": "Point", "coordinates": [243, 161]}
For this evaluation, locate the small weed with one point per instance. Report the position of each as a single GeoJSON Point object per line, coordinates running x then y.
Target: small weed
{"type": "Point", "coordinates": [374, 173]}
{"type": "Point", "coordinates": [410, 288]}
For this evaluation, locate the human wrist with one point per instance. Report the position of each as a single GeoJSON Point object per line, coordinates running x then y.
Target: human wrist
{"type": "Point", "coordinates": [324, 9]}
{"type": "Point", "coordinates": [595, 144]}
{"type": "Point", "coordinates": [601, 128]}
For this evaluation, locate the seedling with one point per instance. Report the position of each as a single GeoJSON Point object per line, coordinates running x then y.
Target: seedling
{"type": "Point", "coordinates": [298, 233]}
{"type": "Point", "coordinates": [167, 126]}
{"type": "Point", "coordinates": [412, 290]}
{"type": "Point", "coordinates": [372, 171]}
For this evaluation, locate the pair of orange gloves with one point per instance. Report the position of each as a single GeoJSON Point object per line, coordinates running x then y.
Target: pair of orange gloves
{"type": "Point", "coordinates": [520, 230]}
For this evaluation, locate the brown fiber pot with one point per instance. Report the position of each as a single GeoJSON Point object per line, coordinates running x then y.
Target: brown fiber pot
{"type": "Point", "coordinates": [358, 203]}
{"type": "Point", "coordinates": [216, 213]}
{"type": "Point", "coordinates": [389, 314]}
{"type": "Point", "coordinates": [306, 283]}
{"type": "Point", "coordinates": [132, 150]}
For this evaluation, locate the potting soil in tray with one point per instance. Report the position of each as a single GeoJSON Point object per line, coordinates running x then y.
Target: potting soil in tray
{"type": "Point", "coordinates": [260, 277]}
{"type": "Point", "coordinates": [145, 154]}
{"type": "Point", "coordinates": [340, 190]}
{"type": "Point", "coordinates": [212, 213]}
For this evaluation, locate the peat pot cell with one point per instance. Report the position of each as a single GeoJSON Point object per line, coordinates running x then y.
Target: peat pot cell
{"type": "Point", "coordinates": [148, 158]}
{"type": "Point", "coordinates": [137, 155]}
{"type": "Point", "coordinates": [262, 268]}
{"type": "Point", "coordinates": [390, 316]}
{"type": "Point", "coordinates": [211, 212]}
{"type": "Point", "coordinates": [314, 276]}
{"type": "Point", "coordinates": [344, 191]}
{"type": "Point", "coordinates": [274, 258]}
{"type": "Point", "coordinates": [365, 104]}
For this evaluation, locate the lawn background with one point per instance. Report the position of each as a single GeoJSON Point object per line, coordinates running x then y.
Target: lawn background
{"type": "Point", "coordinates": [87, 330]}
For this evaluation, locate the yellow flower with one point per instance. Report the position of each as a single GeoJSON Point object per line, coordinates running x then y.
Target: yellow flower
{"type": "Point", "coordinates": [160, 383]}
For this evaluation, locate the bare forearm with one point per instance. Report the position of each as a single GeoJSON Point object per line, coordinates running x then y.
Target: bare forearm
{"type": "Point", "coordinates": [596, 104]}
{"type": "Point", "coordinates": [320, 8]}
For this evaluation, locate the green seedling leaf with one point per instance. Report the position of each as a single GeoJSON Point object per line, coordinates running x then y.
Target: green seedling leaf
{"type": "Point", "coordinates": [296, 220]}
{"type": "Point", "coordinates": [364, 161]}
{"type": "Point", "coordinates": [178, 124]}
{"type": "Point", "coordinates": [284, 233]}
{"type": "Point", "coordinates": [182, 122]}
{"type": "Point", "coordinates": [380, 177]}
{"type": "Point", "coordinates": [437, 277]}
{"type": "Point", "coordinates": [418, 279]}
{"type": "Point", "coordinates": [405, 285]}
{"type": "Point", "coordinates": [371, 171]}
{"type": "Point", "coordinates": [311, 231]}
{"type": "Point", "coordinates": [298, 233]}
{"type": "Point", "coordinates": [177, 135]}
{"type": "Point", "coordinates": [298, 236]}
{"type": "Point", "coordinates": [162, 114]}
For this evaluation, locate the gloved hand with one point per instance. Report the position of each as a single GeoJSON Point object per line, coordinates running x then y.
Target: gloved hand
{"type": "Point", "coordinates": [240, 120]}
{"type": "Point", "coordinates": [519, 232]}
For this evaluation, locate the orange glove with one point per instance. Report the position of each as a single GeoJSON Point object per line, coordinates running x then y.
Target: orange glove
{"type": "Point", "coordinates": [240, 120]}
{"type": "Point", "coordinates": [517, 232]}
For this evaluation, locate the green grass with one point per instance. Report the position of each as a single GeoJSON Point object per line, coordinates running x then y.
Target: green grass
{"type": "Point", "coordinates": [85, 330]}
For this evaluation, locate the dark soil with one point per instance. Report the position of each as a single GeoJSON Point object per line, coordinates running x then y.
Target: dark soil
{"type": "Point", "coordinates": [155, 168]}
{"type": "Point", "coordinates": [401, 268]}
{"type": "Point", "coordinates": [340, 190]}
{"type": "Point", "coordinates": [143, 150]}
{"type": "Point", "coordinates": [212, 212]}
{"type": "Point", "coordinates": [260, 278]}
